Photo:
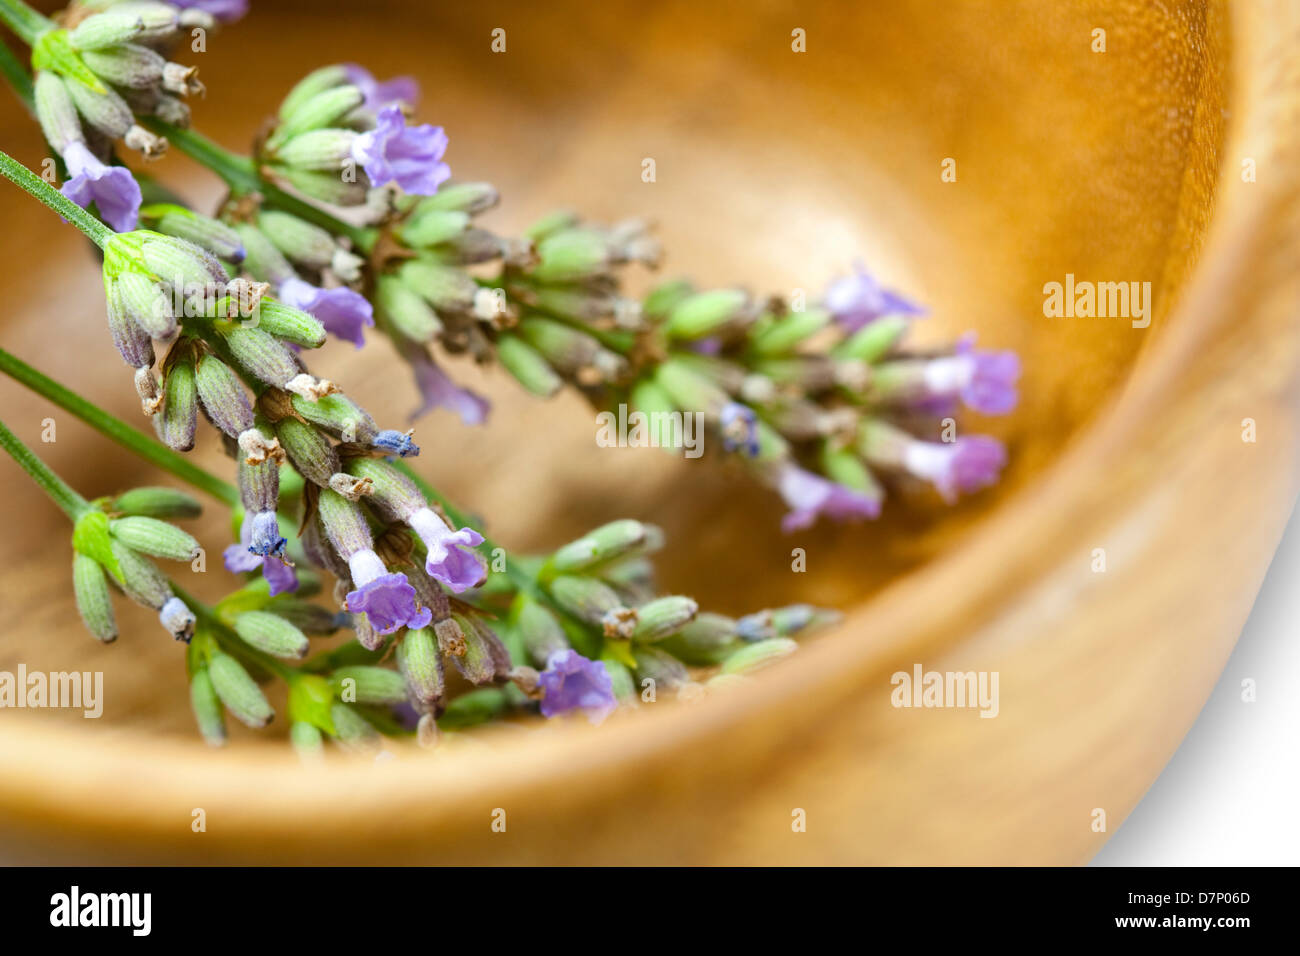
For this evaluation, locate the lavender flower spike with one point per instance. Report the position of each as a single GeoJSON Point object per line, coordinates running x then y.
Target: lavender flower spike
{"type": "Point", "coordinates": [439, 391]}
{"type": "Point", "coordinates": [111, 188]}
{"type": "Point", "coordinates": [449, 559]}
{"type": "Point", "coordinates": [572, 682]}
{"type": "Point", "coordinates": [387, 600]}
{"type": "Point", "coordinates": [343, 312]}
{"type": "Point", "coordinates": [410, 156]}
{"type": "Point", "coordinates": [858, 299]}
{"type": "Point", "coordinates": [400, 89]}
{"type": "Point", "coordinates": [810, 495]}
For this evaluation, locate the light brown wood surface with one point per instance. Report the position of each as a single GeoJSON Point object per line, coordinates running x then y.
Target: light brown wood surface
{"type": "Point", "coordinates": [777, 169]}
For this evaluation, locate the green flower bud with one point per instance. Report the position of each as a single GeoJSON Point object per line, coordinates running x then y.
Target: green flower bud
{"type": "Point", "coordinates": [368, 685]}
{"type": "Point", "coordinates": [485, 658]}
{"type": "Point", "coordinates": [292, 325]}
{"type": "Point", "coordinates": [338, 415]}
{"type": "Point", "coordinates": [130, 65]}
{"type": "Point", "coordinates": [223, 396]}
{"type": "Point", "coordinates": [443, 287]}
{"type": "Point", "coordinates": [301, 241]}
{"type": "Point", "coordinates": [873, 341]}
{"type": "Point", "coordinates": [528, 367]}
{"type": "Point", "coordinates": [272, 634]}
{"type": "Point", "coordinates": [156, 503]}
{"type": "Point", "coordinates": [94, 603]}
{"type": "Point", "coordinates": [429, 227]}
{"type": "Point", "coordinates": [309, 450]}
{"type": "Point", "coordinates": [238, 691]}
{"type": "Point", "coordinates": [704, 313]}
{"type": "Point", "coordinates": [328, 187]}
{"type": "Point", "coordinates": [407, 311]}
{"type": "Point", "coordinates": [594, 602]}
{"type": "Point", "coordinates": [321, 150]}
{"type": "Point", "coordinates": [571, 350]}
{"type": "Point", "coordinates": [476, 707]}
{"type": "Point", "coordinates": [841, 465]}
{"type": "Point", "coordinates": [776, 336]}
{"type": "Point", "coordinates": [305, 616]}
{"type": "Point", "coordinates": [204, 231]}
{"type": "Point", "coordinates": [624, 684]}
{"type": "Point", "coordinates": [751, 657]}
{"type": "Point", "coordinates": [306, 740]}
{"type": "Point", "coordinates": [207, 708]}
{"type": "Point", "coordinates": [688, 389]}
{"type": "Point", "coordinates": [140, 579]}
{"type": "Point", "coordinates": [538, 630]}
{"type": "Point", "coordinates": [103, 109]}
{"type": "Point", "coordinates": [110, 28]}
{"type": "Point", "coordinates": [262, 260]}
{"type": "Point", "coordinates": [312, 85]}
{"type": "Point", "coordinates": [325, 108]}
{"type": "Point", "coordinates": [180, 406]}
{"type": "Point", "coordinates": [665, 297]}
{"type": "Point", "coordinates": [55, 111]}
{"type": "Point", "coordinates": [706, 640]}
{"type": "Point", "coordinates": [550, 224]}
{"type": "Point", "coordinates": [472, 198]}
{"type": "Point", "coordinates": [151, 536]}
{"type": "Point", "coordinates": [421, 667]}
{"type": "Point", "coordinates": [352, 730]}
{"type": "Point", "coordinates": [147, 304]}
{"type": "Point", "coordinates": [613, 540]}
{"type": "Point", "coordinates": [666, 671]}
{"type": "Point", "coordinates": [180, 263]}
{"type": "Point", "coordinates": [632, 577]}
{"type": "Point", "coordinates": [662, 617]}
{"type": "Point", "coordinates": [260, 354]}
{"type": "Point", "coordinates": [570, 255]}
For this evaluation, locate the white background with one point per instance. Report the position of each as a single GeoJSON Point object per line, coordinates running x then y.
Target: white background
{"type": "Point", "coordinates": [1231, 794]}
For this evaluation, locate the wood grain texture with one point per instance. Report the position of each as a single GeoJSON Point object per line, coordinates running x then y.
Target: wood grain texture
{"type": "Point", "coordinates": [778, 169]}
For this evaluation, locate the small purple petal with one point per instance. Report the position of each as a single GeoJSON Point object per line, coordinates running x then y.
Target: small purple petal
{"type": "Point", "coordinates": [858, 299]}
{"type": "Point", "coordinates": [809, 495]}
{"type": "Point", "coordinates": [410, 156]}
{"type": "Point", "coordinates": [572, 682]}
{"type": "Point", "coordinates": [400, 89]}
{"type": "Point", "coordinates": [239, 560]}
{"type": "Point", "coordinates": [439, 391]}
{"type": "Point", "coordinates": [344, 313]}
{"type": "Point", "coordinates": [389, 603]}
{"type": "Point", "coordinates": [967, 464]}
{"type": "Point", "coordinates": [991, 386]}
{"type": "Point", "coordinates": [279, 575]}
{"type": "Point", "coordinates": [112, 189]}
{"type": "Point", "coordinates": [450, 561]}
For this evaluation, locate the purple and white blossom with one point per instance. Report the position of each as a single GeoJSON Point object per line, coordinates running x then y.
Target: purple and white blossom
{"type": "Point", "coordinates": [964, 465]}
{"type": "Point", "coordinates": [240, 558]}
{"type": "Point", "coordinates": [112, 189]}
{"type": "Point", "coordinates": [572, 682]}
{"type": "Point", "coordinates": [858, 299]}
{"type": "Point", "coordinates": [450, 560]}
{"type": "Point", "coordinates": [344, 313]}
{"type": "Point", "coordinates": [225, 10]}
{"type": "Point", "coordinates": [439, 391]}
{"type": "Point", "coordinates": [410, 156]}
{"type": "Point", "coordinates": [386, 598]}
{"type": "Point", "coordinates": [809, 495]}
{"type": "Point", "coordinates": [398, 90]}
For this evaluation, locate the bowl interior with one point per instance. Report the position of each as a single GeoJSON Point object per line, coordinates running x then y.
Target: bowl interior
{"type": "Point", "coordinates": [774, 168]}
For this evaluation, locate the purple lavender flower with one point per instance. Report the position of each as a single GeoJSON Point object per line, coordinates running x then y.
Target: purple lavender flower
{"type": "Point", "coordinates": [112, 189]}
{"type": "Point", "coordinates": [410, 156]}
{"type": "Point", "coordinates": [439, 391]}
{"type": "Point", "coordinates": [387, 599]}
{"type": "Point", "coordinates": [740, 429]}
{"type": "Point", "coordinates": [240, 558]}
{"type": "Point", "coordinates": [986, 380]}
{"type": "Point", "coordinates": [572, 682]}
{"type": "Point", "coordinates": [810, 495]}
{"type": "Point", "coordinates": [966, 464]}
{"type": "Point", "coordinates": [858, 299]}
{"type": "Point", "coordinates": [450, 561]}
{"type": "Point", "coordinates": [224, 10]}
{"type": "Point", "coordinates": [400, 89]}
{"type": "Point", "coordinates": [342, 311]}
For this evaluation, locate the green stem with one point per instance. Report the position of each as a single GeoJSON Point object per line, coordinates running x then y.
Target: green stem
{"type": "Point", "coordinates": [33, 185]}
{"type": "Point", "coordinates": [72, 504]}
{"type": "Point", "coordinates": [151, 450]}
{"type": "Point", "coordinates": [13, 70]}
{"type": "Point", "coordinates": [242, 175]}
{"type": "Point", "coordinates": [24, 21]}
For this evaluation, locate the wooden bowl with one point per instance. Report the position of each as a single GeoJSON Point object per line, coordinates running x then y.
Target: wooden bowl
{"type": "Point", "coordinates": [778, 168]}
